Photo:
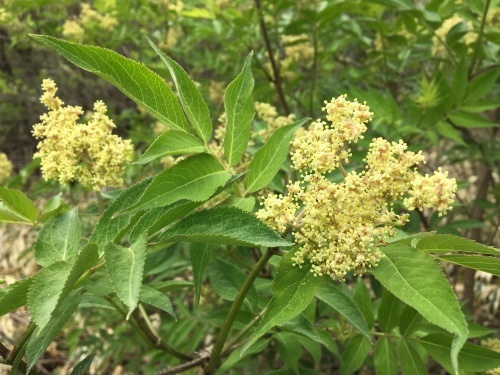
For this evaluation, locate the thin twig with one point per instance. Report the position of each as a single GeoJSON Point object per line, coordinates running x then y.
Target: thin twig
{"type": "Point", "coordinates": [479, 38]}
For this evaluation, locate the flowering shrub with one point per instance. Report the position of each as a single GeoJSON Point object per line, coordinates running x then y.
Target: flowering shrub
{"type": "Point", "coordinates": [338, 271]}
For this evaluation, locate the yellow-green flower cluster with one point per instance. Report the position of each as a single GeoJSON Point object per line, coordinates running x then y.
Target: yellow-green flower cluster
{"type": "Point", "coordinates": [321, 149]}
{"type": "Point", "coordinates": [439, 38]}
{"type": "Point", "coordinates": [339, 225]}
{"type": "Point", "coordinates": [268, 113]}
{"type": "Point", "coordinates": [5, 167]}
{"type": "Point", "coordinates": [493, 344]}
{"type": "Point", "coordinates": [69, 151]}
{"type": "Point", "coordinates": [89, 18]}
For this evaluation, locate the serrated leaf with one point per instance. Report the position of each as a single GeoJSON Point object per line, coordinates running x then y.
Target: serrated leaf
{"type": "Point", "coordinates": [444, 243]}
{"type": "Point", "coordinates": [19, 204]}
{"type": "Point", "coordinates": [134, 79]}
{"type": "Point", "coordinates": [410, 321]}
{"type": "Point", "coordinates": [362, 298]}
{"type": "Point", "coordinates": [157, 299]}
{"type": "Point", "coordinates": [172, 142]}
{"type": "Point", "coordinates": [53, 283]}
{"type": "Point", "coordinates": [42, 337]}
{"type": "Point", "coordinates": [227, 279]}
{"type": "Point", "coordinates": [449, 131]}
{"type": "Point", "coordinates": [385, 357]}
{"type": "Point", "coordinates": [410, 361]}
{"type": "Point", "coordinates": [239, 111]}
{"type": "Point", "coordinates": [389, 312]}
{"type": "Point", "coordinates": [195, 178]}
{"type": "Point", "coordinates": [14, 295]}
{"type": "Point", "coordinates": [246, 204]}
{"type": "Point", "coordinates": [293, 289]}
{"type": "Point", "coordinates": [59, 239]}
{"type": "Point", "coordinates": [192, 102]}
{"type": "Point", "coordinates": [302, 326]}
{"type": "Point", "coordinates": [471, 120]}
{"type": "Point", "coordinates": [109, 227]}
{"type": "Point", "coordinates": [223, 225]}
{"type": "Point", "coordinates": [289, 350]}
{"type": "Point", "coordinates": [400, 271]}
{"type": "Point", "coordinates": [354, 355]}
{"type": "Point", "coordinates": [481, 85]}
{"type": "Point", "coordinates": [477, 262]}
{"type": "Point", "coordinates": [471, 358]}
{"type": "Point", "coordinates": [201, 254]}
{"type": "Point", "coordinates": [343, 304]}
{"type": "Point", "coordinates": [269, 158]}
{"type": "Point", "coordinates": [125, 266]}
{"type": "Point", "coordinates": [82, 368]}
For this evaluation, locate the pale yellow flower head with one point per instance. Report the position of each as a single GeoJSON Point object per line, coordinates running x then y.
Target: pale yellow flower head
{"type": "Point", "coordinates": [5, 167]}
{"type": "Point", "coordinates": [269, 114]}
{"type": "Point", "coordinates": [338, 226]}
{"type": "Point", "coordinates": [493, 344]}
{"type": "Point", "coordinates": [439, 38]}
{"type": "Point", "coordinates": [72, 29]}
{"type": "Point", "coordinates": [70, 151]}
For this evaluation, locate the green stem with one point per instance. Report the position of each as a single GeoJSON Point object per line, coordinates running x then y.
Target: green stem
{"type": "Point", "coordinates": [240, 334]}
{"type": "Point", "coordinates": [479, 37]}
{"type": "Point", "coordinates": [16, 355]}
{"type": "Point", "coordinates": [314, 72]}
{"type": "Point", "coordinates": [233, 311]}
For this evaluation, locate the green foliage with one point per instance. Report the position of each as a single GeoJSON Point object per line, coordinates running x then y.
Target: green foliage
{"type": "Point", "coordinates": [231, 305]}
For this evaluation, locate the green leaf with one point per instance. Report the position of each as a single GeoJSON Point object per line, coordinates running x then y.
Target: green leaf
{"type": "Point", "coordinates": [42, 337]}
{"type": "Point", "coordinates": [14, 295]}
{"type": "Point", "coordinates": [479, 106]}
{"type": "Point", "coordinates": [172, 142]}
{"type": "Point", "coordinates": [237, 356]}
{"type": "Point", "coordinates": [342, 303]}
{"type": "Point", "coordinates": [472, 357]}
{"type": "Point", "coordinates": [460, 80]}
{"type": "Point", "coordinates": [293, 289]}
{"type": "Point", "coordinates": [239, 111]}
{"type": "Point", "coordinates": [477, 262]}
{"type": "Point", "coordinates": [53, 283]}
{"type": "Point", "coordinates": [201, 255]}
{"type": "Point", "coordinates": [445, 243]}
{"type": "Point", "coordinates": [134, 79]}
{"type": "Point", "coordinates": [19, 204]}
{"type": "Point", "coordinates": [481, 85]}
{"type": "Point", "coordinates": [195, 178]}
{"type": "Point", "coordinates": [385, 357]}
{"type": "Point", "coordinates": [362, 298]}
{"type": "Point", "coordinates": [419, 282]}
{"type": "Point", "coordinates": [227, 279]}
{"type": "Point", "coordinates": [245, 204]}
{"type": "Point", "coordinates": [192, 102]}
{"type": "Point", "coordinates": [109, 228]}
{"type": "Point", "coordinates": [410, 361]}
{"type": "Point", "coordinates": [289, 350]}
{"type": "Point", "coordinates": [156, 298]}
{"type": "Point", "coordinates": [449, 131]}
{"type": "Point", "coordinates": [354, 354]}
{"type": "Point", "coordinates": [9, 216]}
{"type": "Point", "coordinates": [269, 158]}
{"type": "Point", "coordinates": [223, 225]}
{"type": "Point", "coordinates": [410, 321]}
{"type": "Point", "coordinates": [470, 120]}
{"type": "Point", "coordinates": [389, 312]}
{"type": "Point", "coordinates": [125, 267]}
{"type": "Point", "coordinates": [59, 239]}
{"type": "Point", "coordinates": [82, 368]}
{"type": "Point", "coordinates": [302, 326]}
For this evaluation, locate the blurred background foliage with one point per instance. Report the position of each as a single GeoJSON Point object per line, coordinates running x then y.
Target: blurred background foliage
{"type": "Point", "coordinates": [427, 69]}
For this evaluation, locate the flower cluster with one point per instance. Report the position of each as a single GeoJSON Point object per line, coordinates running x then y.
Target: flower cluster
{"type": "Point", "coordinates": [269, 115]}
{"type": "Point", "coordinates": [69, 151]}
{"type": "Point", "coordinates": [89, 18]}
{"type": "Point", "coordinates": [5, 167]}
{"type": "Point", "coordinates": [439, 38]}
{"type": "Point", "coordinates": [338, 226]}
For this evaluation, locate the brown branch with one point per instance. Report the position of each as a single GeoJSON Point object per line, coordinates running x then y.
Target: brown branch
{"type": "Point", "coordinates": [276, 72]}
